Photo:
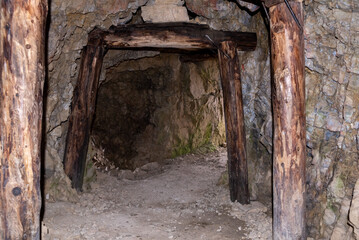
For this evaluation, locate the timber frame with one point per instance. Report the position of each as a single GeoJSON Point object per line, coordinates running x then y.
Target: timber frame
{"type": "Point", "coordinates": [180, 36]}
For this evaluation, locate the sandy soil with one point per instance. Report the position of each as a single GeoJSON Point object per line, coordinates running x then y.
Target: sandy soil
{"type": "Point", "coordinates": [179, 199]}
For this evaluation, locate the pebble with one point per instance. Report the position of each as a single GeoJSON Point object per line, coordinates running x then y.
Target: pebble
{"type": "Point", "coordinates": [126, 174]}
{"type": "Point", "coordinates": [150, 167]}
{"type": "Point", "coordinates": [139, 173]}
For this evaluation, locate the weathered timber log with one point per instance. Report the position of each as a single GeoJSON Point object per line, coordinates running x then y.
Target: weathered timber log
{"type": "Point", "coordinates": [185, 36]}
{"type": "Point", "coordinates": [288, 97]}
{"type": "Point", "coordinates": [22, 67]}
{"type": "Point", "coordinates": [269, 3]}
{"type": "Point", "coordinates": [82, 112]}
{"type": "Point", "coordinates": [234, 118]}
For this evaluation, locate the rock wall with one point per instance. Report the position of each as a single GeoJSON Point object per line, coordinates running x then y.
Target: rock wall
{"type": "Point", "coordinates": [332, 86]}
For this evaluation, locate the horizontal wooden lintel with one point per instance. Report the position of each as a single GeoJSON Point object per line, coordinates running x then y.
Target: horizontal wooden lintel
{"type": "Point", "coordinates": [182, 36]}
{"type": "Point", "coordinates": [269, 3]}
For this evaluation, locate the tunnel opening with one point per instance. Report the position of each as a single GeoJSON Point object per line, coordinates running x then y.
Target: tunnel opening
{"type": "Point", "coordinates": [159, 107]}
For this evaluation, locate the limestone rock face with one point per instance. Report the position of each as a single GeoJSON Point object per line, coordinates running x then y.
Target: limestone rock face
{"type": "Point", "coordinates": [354, 211]}
{"type": "Point", "coordinates": [204, 8]}
{"type": "Point", "coordinates": [251, 7]}
{"type": "Point", "coordinates": [332, 87]}
{"type": "Point", "coordinates": [164, 13]}
{"type": "Point", "coordinates": [165, 2]}
{"type": "Point", "coordinates": [342, 231]}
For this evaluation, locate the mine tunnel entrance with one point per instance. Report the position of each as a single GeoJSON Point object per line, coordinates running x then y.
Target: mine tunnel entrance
{"type": "Point", "coordinates": [157, 107]}
{"type": "Point", "coordinates": [181, 37]}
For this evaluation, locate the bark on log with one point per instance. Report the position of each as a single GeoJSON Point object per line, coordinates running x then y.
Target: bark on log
{"type": "Point", "coordinates": [185, 36]}
{"type": "Point", "coordinates": [22, 67]}
{"type": "Point", "coordinates": [234, 117]}
{"type": "Point", "coordinates": [82, 112]}
{"type": "Point", "coordinates": [288, 97]}
{"type": "Point", "coordinates": [269, 3]}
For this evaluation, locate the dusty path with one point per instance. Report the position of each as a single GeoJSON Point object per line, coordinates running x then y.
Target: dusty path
{"type": "Point", "coordinates": [179, 200]}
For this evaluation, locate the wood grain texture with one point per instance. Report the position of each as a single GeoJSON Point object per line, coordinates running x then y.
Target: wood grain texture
{"type": "Point", "coordinates": [22, 38]}
{"type": "Point", "coordinates": [82, 112]}
{"type": "Point", "coordinates": [288, 97]}
{"type": "Point", "coordinates": [184, 36]}
{"type": "Point", "coordinates": [269, 3]}
{"type": "Point", "coordinates": [234, 118]}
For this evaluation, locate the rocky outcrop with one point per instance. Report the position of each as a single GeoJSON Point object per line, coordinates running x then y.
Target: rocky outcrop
{"type": "Point", "coordinates": [341, 231]}
{"type": "Point", "coordinates": [354, 211]}
{"type": "Point", "coordinates": [332, 85]}
{"type": "Point", "coordinates": [165, 11]}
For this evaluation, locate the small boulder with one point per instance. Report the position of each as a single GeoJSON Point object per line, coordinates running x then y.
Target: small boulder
{"type": "Point", "coordinates": [151, 167]}
{"type": "Point", "coordinates": [139, 174]}
{"type": "Point", "coordinates": [126, 174]}
{"type": "Point", "coordinates": [164, 13]}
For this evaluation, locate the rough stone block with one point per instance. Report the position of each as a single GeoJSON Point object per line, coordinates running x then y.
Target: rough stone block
{"type": "Point", "coordinates": [354, 211]}
{"type": "Point", "coordinates": [126, 174]}
{"type": "Point", "coordinates": [169, 2]}
{"type": "Point", "coordinates": [112, 6]}
{"type": "Point", "coordinates": [151, 167]}
{"type": "Point", "coordinates": [164, 13]}
{"type": "Point", "coordinates": [203, 8]}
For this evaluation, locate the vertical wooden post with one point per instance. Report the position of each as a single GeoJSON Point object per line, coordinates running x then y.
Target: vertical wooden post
{"type": "Point", "coordinates": [82, 112]}
{"type": "Point", "coordinates": [288, 96]}
{"type": "Point", "coordinates": [234, 117]}
{"type": "Point", "coordinates": [22, 38]}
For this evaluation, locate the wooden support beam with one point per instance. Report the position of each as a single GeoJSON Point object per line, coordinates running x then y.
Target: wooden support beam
{"type": "Point", "coordinates": [269, 3]}
{"type": "Point", "coordinates": [22, 67]}
{"type": "Point", "coordinates": [288, 97]}
{"type": "Point", "coordinates": [234, 117]}
{"type": "Point", "coordinates": [184, 36]}
{"type": "Point", "coordinates": [82, 112]}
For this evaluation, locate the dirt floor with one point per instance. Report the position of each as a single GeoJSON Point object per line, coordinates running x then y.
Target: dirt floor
{"type": "Point", "coordinates": [177, 199]}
